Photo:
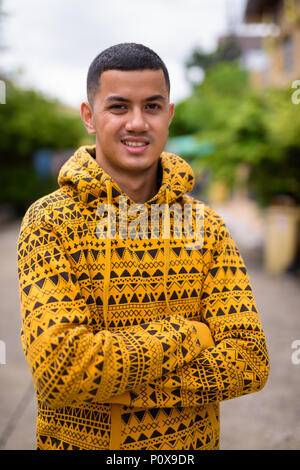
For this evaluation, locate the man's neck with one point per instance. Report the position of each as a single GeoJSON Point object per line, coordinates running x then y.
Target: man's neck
{"type": "Point", "coordinates": [140, 187]}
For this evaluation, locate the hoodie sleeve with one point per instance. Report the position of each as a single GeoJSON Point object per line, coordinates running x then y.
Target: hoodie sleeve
{"type": "Point", "coordinates": [238, 362]}
{"type": "Point", "coordinates": [71, 363]}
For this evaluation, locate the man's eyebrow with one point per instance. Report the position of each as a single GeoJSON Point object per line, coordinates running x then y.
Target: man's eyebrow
{"type": "Point", "coordinates": [125, 100]}
{"type": "Point", "coordinates": [156, 98]}
{"type": "Point", "coordinates": [116, 98]}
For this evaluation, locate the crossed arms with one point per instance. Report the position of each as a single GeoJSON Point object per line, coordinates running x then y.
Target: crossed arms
{"type": "Point", "coordinates": [170, 362]}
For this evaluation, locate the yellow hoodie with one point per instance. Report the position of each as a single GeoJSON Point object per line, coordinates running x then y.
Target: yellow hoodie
{"type": "Point", "coordinates": [133, 342]}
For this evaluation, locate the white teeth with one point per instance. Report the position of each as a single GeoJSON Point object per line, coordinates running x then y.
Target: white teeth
{"type": "Point", "coordinates": [134, 144]}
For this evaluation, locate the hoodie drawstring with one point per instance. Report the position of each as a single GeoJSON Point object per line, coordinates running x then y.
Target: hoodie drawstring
{"type": "Point", "coordinates": [166, 233]}
{"type": "Point", "coordinates": [107, 254]}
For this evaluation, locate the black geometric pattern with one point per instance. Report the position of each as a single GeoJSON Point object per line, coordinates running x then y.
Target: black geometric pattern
{"type": "Point", "coordinates": [116, 361]}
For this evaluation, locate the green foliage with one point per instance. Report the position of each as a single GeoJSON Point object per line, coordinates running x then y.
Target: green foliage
{"type": "Point", "coordinates": [276, 172]}
{"type": "Point", "coordinates": [20, 187]}
{"type": "Point", "coordinates": [229, 51]}
{"type": "Point", "coordinates": [29, 121]}
{"type": "Point", "coordinates": [206, 109]}
{"type": "Point", "coordinates": [256, 128]}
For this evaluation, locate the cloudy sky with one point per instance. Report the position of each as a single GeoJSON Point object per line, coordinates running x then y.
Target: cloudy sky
{"type": "Point", "coordinates": [54, 41]}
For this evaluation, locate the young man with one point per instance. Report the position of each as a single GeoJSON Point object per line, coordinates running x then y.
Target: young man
{"type": "Point", "coordinates": [133, 334]}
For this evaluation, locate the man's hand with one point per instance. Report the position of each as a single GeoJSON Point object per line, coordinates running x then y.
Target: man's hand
{"type": "Point", "coordinates": [204, 334]}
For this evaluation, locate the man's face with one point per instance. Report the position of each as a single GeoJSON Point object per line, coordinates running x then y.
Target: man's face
{"type": "Point", "coordinates": [130, 116]}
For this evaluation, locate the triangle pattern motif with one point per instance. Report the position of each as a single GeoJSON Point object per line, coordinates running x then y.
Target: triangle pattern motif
{"type": "Point", "coordinates": [129, 371]}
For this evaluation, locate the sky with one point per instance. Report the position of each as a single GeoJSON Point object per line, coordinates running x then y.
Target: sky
{"type": "Point", "coordinates": [50, 44]}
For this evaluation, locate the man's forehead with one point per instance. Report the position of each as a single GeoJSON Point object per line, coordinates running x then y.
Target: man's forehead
{"type": "Point", "coordinates": [146, 83]}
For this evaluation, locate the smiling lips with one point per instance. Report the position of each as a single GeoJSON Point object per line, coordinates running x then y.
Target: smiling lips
{"type": "Point", "coordinates": [135, 144]}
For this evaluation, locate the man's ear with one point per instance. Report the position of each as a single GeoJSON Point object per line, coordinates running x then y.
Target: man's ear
{"type": "Point", "coordinates": [171, 112]}
{"type": "Point", "coordinates": [87, 117]}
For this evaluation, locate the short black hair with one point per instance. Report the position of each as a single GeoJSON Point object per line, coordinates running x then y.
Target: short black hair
{"type": "Point", "coordinates": [124, 56]}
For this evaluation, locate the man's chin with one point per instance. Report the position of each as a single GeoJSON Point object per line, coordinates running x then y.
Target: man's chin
{"type": "Point", "coordinates": [140, 161]}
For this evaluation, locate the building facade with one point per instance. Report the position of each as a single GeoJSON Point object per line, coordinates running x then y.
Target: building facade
{"type": "Point", "coordinates": [282, 45]}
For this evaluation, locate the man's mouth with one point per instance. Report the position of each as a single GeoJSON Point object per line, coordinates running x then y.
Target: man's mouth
{"type": "Point", "coordinates": [135, 145]}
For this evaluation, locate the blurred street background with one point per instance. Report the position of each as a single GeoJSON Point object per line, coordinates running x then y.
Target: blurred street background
{"type": "Point", "coordinates": [236, 88]}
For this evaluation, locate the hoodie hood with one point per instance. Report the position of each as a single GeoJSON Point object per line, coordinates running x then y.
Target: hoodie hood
{"type": "Point", "coordinates": [84, 174]}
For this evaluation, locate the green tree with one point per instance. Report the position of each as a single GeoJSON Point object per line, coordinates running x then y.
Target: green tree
{"type": "Point", "coordinates": [207, 108]}
{"type": "Point", "coordinates": [227, 51]}
{"type": "Point", "coordinates": [30, 121]}
{"type": "Point", "coordinates": [256, 128]}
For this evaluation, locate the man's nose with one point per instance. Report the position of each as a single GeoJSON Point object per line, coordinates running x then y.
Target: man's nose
{"type": "Point", "coordinates": [137, 122]}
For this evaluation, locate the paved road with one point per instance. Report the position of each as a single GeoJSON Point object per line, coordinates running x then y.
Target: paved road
{"type": "Point", "coordinates": [17, 402]}
{"type": "Point", "coordinates": [265, 420]}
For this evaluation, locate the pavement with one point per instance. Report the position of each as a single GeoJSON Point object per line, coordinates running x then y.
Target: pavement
{"type": "Point", "coordinates": [17, 401]}
{"type": "Point", "coordinates": [267, 420]}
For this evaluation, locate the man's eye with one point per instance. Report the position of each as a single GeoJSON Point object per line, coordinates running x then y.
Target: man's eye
{"type": "Point", "coordinates": [153, 106]}
{"type": "Point", "coordinates": [118, 107]}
